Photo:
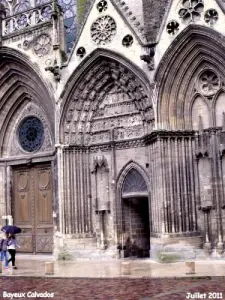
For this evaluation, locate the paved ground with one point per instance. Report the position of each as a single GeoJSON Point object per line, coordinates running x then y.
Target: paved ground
{"type": "Point", "coordinates": [34, 265]}
{"type": "Point", "coordinates": [104, 280]}
{"type": "Point", "coordinates": [114, 289]}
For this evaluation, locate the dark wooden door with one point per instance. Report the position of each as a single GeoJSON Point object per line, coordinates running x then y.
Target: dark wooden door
{"type": "Point", "coordinates": [32, 208]}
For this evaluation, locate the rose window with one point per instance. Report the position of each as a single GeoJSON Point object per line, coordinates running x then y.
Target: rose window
{"type": "Point", "coordinates": [127, 41]}
{"type": "Point", "coordinates": [42, 45]}
{"type": "Point", "coordinates": [209, 83]}
{"type": "Point", "coordinates": [102, 5]}
{"type": "Point", "coordinates": [172, 27]}
{"type": "Point", "coordinates": [211, 16]}
{"type": "Point", "coordinates": [103, 30]}
{"type": "Point", "coordinates": [31, 134]}
{"type": "Point", "coordinates": [191, 11]}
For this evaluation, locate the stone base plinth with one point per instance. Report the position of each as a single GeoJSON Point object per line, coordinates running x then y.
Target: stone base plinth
{"type": "Point", "coordinates": [12, 271]}
{"type": "Point", "coordinates": [83, 249]}
{"type": "Point", "coordinates": [178, 248]}
{"type": "Point", "coordinates": [125, 268]}
{"type": "Point", "coordinates": [49, 268]}
{"type": "Point", "coordinates": [189, 267]}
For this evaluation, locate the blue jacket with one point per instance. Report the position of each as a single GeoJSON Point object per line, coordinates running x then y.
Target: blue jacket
{"type": "Point", "coordinates": [4, 244]}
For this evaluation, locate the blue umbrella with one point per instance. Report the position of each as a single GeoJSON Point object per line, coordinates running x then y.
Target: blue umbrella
{"type": "Point", "coordinates": [11, 229]}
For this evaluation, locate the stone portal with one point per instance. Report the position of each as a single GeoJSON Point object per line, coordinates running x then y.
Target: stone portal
{"type": "Point", "coordinates": [135, 214]}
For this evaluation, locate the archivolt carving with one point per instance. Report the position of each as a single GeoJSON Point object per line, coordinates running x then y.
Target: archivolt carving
{"type": "Point", "coordinates": [108, 97]}
{"type": "Point", "coordinates": [17, 90]}
{"type": "Point", "coordinates": [197, 74]}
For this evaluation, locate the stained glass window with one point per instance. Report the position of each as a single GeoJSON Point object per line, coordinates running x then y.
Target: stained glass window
{"type": "Point", "coordinates": [31, 134]}
{"type": "Point", "coordinates": [21, 6]}
{"type": "Point", "coordinates": [69, 9]}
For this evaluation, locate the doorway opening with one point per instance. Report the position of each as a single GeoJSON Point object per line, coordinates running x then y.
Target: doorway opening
{"type": "Point", "coordinates": [135, 216]}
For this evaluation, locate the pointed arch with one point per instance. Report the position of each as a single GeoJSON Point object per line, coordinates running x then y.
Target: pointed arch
{"type": "Point", "coordinates": [178, 72]}
{"type": "Point", "coordinates": [220, 109]}
{"type": "Point", "coordinates": [20, 83]}
{"type": "Point", "coordinates": [98, 75]}
{"type": "Point", "coordinates": [200, 109]}
{"type": "Point", "coordinates": [132, 165]}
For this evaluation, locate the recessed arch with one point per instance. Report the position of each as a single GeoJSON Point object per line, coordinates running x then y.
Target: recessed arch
{"type": "Point", "coordinates": [189, 54]}
{"type": "Point", "coordinates": [133, 208]}
{"type": "Point", "coordinates": [219, 107]}
{"type": "Point", "coordinates": [102, 73]}
{"type": "Point", "coordinates": [134, 185]}
{"type": "Point", "coordinates": [129, 166]}
{"type": "Point", "coordinates": [21, 82]}
{"type": "Point", "coordinates": [200, 113]}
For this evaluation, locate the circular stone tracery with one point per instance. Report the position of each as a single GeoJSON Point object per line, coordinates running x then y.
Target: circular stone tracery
{"type": "Point", "coordinates": [209, 83]}
{"type": "Point", "coordinates": [127, 41]}
{"type": "Point", "coordinates": [102, 6]}
{"type": "Point", "coordinates": [103, 30]}
{"type": "Point", "coordinates": [81, 52]}
{"type": "Point", "coordinates": [191, 11]}
{"type": "Point", "coordinates": [31, 133]}
{"type": "Point", "coordinates": [172, 27]}
{"type": "Point", "coordinates": [42, 45]}
{"type": "Point", "coordinates": [211, 16]}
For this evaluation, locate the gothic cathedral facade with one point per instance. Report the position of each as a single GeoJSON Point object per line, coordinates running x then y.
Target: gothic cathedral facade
{"type": "Point", "coordinates": [112, 126]}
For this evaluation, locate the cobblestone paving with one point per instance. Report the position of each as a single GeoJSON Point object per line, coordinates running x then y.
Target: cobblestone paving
{"type": "Point", "coordinates": [115, 289]}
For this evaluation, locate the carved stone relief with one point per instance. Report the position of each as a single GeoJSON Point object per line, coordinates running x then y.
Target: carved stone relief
{"type": "Point", "coordinates": [28, 17]}
{"type": "Point", "coordinates": [42, 45]}
{"type": "Point", "coordinates": [101, 172]}
{"type": "Point", "coordinates": [116, 101]}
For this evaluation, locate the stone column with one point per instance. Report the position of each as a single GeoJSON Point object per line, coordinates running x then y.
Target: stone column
{"type": "Point", "coordinates": [102, 230]}
{"type": "Point", "coordinates": [2, 16]}
{"type": "Point", "coordinates": [2, 195]}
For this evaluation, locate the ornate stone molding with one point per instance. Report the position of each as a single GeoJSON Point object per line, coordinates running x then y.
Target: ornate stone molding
{"type": "Point", "coordinates": [28, 18]}
{"type": "Point", "coordinates": [99, 103]}
{"type": "Point", "coordinates": [185, 47]}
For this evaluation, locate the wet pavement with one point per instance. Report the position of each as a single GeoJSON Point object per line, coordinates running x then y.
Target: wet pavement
{"type": "Point", "coordinates": [34, 265]}
{"type": "Point", "coordinates": [104, 280]}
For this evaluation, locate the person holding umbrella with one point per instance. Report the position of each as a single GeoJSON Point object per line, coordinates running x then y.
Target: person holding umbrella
{"type": "Point", "coordinates": [4, 253]}
{"type": "Point", "coordinates": [9, 243]}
